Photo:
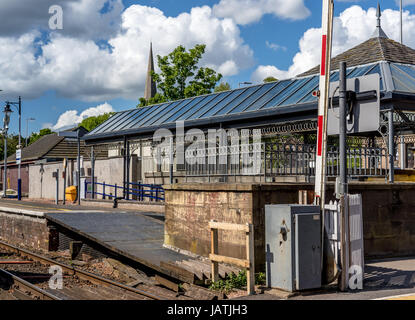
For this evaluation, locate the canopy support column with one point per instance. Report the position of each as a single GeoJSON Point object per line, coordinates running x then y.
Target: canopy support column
{"type": "Point", "coordinates": [391, 146]}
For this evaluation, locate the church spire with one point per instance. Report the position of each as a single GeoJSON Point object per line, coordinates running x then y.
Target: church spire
{"type": "Point", "coordinates": [151, 89]}
{"type": "Point", "coordinates": [379, 33]}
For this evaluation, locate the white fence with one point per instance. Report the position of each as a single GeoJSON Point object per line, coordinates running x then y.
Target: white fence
{"type": "Point", "coordinates": [354, 232]}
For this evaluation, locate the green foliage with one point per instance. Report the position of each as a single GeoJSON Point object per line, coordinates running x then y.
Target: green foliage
{"type": "Point", "coordinates": [223, 86]}
{"type": "Point", "coordinates": [236, 282]}
{"type": "Point", "coordinates": [92, 122]}
{"type": "Point", "coordinates": [36, 136]}
{"type": "Point", "coordinates": [158, 98]}
{"type": "Point", "coordinates": [12, 143]}
{"type": "Point", "coordinates": [180, 76]}
{"type": "Point", "coordinates": [260, 278]}
{"type": "Point", "coordinates": [270, 79]}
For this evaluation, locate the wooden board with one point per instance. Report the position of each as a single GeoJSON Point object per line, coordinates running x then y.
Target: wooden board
{"type": "Point", "coordinates": [228, 226]}
{"type": "Point", "coordinates": [222, 259]}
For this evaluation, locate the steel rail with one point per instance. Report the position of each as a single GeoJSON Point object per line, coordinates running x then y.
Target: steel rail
{"type": "Point", "coordinates": [23, 286]}
{"type": "Point", "coordinates": [84, 275]}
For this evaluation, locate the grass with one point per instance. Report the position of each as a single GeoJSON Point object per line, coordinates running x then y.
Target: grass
{"type": "Point", "coordinates": [236, 281]}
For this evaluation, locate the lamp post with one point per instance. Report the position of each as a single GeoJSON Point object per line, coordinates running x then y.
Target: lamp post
{"type": "Point", "coordinates": [18, 105]}
{"type": "Point", "coordinates": [27, 127]}
{"type": "Point", "coordinates": [6, 120]}
{"type": "Point", "coordinates": [245, 83]}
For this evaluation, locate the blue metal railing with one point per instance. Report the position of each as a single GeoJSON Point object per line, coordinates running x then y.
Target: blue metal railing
{"type": "Point", "coordinates": [138, 191]}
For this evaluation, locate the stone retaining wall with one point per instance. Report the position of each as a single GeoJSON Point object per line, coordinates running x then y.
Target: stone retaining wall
{"type": "Point", "coordinates": [25, 229]}
{"type": "Point", "coordinates": [388, 215]}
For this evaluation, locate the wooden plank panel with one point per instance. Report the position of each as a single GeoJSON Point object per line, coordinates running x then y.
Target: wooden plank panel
{"type": "Point", "coordinates": [228, 226]}
{"type": "Point", "coordinates": [205, 268]}
{"type": "Point", "coordinates": [190, 266]}
{"type": "Point", "coordinates": [177, 272]}
{"type": "Point", "coordinates": [214, 250]}
{"type": "Point", "coordinates": [238, 262]}
{"type": "Point", "coordinates": [251, 260]}
{"type": "Point", "coordinates": [167, 283]}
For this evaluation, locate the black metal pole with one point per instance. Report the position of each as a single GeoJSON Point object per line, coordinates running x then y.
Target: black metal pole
{"type": "Point", "coordinates": [128, 170]}
{"type": "Point", "coordinates": [5, 165]}
{"type": "Point", "coordinates": [57, 187]}
{"type": "Point", "coordinates": [171, 160]}
{"type": "Point", "coordinates": [391, 147]}
{"type": "Point", "coordinates": [343, 128]}
{"type": "Point", "coordinates": [124, 167]}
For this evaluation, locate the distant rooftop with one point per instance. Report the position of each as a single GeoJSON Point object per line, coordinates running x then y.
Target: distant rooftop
{"type": "Point", "coordinates": [378, 48]}
{"type": "Point", "coordinates": [373, 50]}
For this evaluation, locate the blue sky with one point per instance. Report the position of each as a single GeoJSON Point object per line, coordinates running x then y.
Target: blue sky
{"type": "Point", "coordinates": [67, 72]}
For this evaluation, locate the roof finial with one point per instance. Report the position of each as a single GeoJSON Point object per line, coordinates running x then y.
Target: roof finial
{"type": "Point", "coordinates": [378, 15]}
{"type": "Point", "coordinates": [379, 33]}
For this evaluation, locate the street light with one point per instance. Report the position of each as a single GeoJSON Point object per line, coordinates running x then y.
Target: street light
{"type": "Point", "coordinates": [6, 120]}
{"type": "Point", "coordinates": [245, 83]}
{"type": "Point", "coordinates": [27, 127]}
{"type": "Point", "coordinates": [18, 105]}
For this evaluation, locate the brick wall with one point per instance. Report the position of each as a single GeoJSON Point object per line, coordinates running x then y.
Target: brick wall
{"type": "Point", "coordinates": [13, 174]}
{"type": "Point", "coordinates": [24, 231]}
{"type": "Point", "coordinates": [190, 207]}
{"type": "Point", "coordinates": [388, 216]}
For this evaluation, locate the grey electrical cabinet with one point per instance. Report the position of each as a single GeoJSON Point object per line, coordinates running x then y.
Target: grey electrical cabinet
{"type": "Point", "coordinates": [293, 247]}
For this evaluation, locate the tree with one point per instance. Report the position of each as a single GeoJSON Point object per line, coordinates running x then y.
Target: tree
{"type": "Point", "coordinates": [92, 122]}
{"type": "Point", "coordinates": [223, 86]}
{"type": "Point", "coordinates": [158, 98]}
{"type": "Point", "coordinates": [12, 143]}
{"type": "Point", "coordinates": [36, 136]}
{"type": "Point", "coordinates": [180, 76]}
{"type": "Point", "coordinates": [270, 79]}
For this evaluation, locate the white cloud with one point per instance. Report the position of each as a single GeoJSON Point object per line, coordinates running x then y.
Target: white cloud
{"type": "Point", "coordinates": [249, 11]}
{"type": "Point", "coordinates": [76, 67]}
{"type": "Point", "coordinates": [263, 72]}
{"type": "Point", "coordinates": [406, 2]}
{"type": "Point", "coordinates": [275, 46]}
{"type": "Point", "coordinates": [71, 118]}
{"type": "Point", "coordinates": [352, 27]}
{"type": "Point", "coordinates": [47, 125]}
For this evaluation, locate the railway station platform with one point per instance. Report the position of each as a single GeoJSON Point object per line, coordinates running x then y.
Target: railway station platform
{"type": "Point", "coordinates": [133, 237]}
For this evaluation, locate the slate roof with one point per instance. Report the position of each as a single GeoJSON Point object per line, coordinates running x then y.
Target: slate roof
{"type": "Point", "coordinates": [52, 146]}
{"type": "Point", "coordinates": [373, 50]}
{"type": "Point", "coordinates": [38, 149]}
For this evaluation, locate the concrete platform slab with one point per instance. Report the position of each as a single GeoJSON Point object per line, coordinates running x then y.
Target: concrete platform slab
{"type": "Point", "coordinates": [136, 236]}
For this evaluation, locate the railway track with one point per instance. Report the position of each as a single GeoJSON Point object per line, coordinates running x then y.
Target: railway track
{"type": "Point", "coordinates": [22, 289]}
{"type": "Point", "coordinates": [87, 285]}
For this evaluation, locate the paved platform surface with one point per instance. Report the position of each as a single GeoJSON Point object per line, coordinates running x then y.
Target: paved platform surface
{"type": "Point", "coordinates": [389, 279]}
{"type": "Point", "coordinates": [138, 236]}
{"type": "Point", "coordinates": [50, 206]}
